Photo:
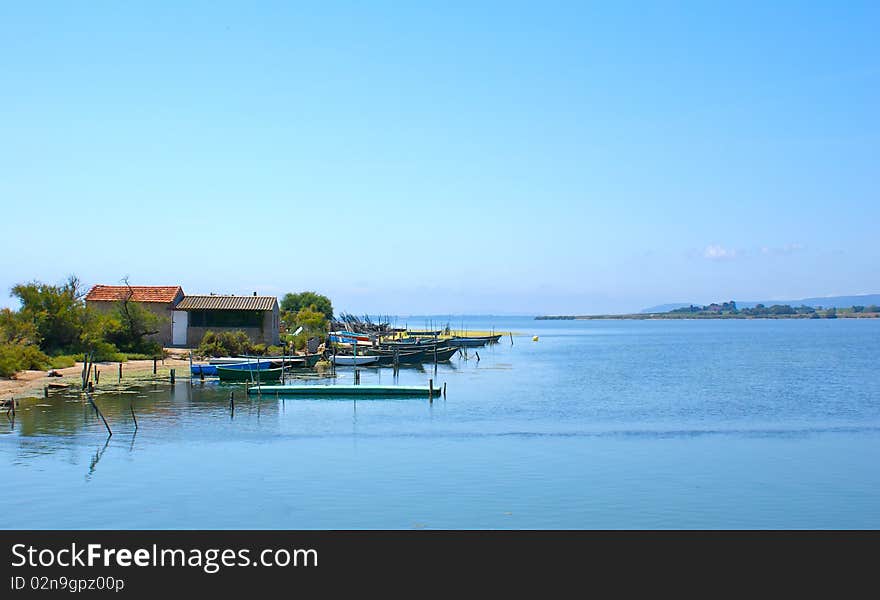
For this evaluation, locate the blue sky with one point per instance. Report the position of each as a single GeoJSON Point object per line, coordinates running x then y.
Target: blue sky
{"type": "Point", "coordinates": [444, 157]}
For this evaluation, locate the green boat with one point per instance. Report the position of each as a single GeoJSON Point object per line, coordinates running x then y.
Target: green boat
{"type": "Point", "coordinates": [345, 391]}
{"type": "Point", "coordinates": [250, 375]}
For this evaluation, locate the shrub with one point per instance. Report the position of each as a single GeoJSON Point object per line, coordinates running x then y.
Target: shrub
{"type": "Point", "coordinates": [105, 352]}
{"type": "Point", "coordinates": [63, 361]}
{"type": "Point", "coordinates": [9, 360]}
{"type": "Point", "coordinates": [225, 343]}
{"type": "Point", "coordinates": [32, 358]}
{"type": "Point", "coordinates": [20, 357]}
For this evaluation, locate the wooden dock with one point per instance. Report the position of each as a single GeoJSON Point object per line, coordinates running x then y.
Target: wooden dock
{"type": "Point", "coordinates": [347, 391]}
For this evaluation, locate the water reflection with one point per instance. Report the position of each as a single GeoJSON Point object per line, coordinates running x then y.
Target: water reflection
{"type": "Point", "coordinates": [96, 459]}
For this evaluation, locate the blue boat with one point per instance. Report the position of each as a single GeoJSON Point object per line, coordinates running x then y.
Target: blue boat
{"type": "Point", "coordinates": [211, 370]}
{"type": "Point", "coordinates": [207, 370]}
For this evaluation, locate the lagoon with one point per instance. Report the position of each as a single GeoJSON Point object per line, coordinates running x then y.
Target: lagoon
{"type": "Point", "coordinates": [598, 425]}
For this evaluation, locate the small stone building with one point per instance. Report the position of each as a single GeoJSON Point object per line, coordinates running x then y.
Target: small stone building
{"type": "Point", "coordinates": [160, 300]}
{"type": "Point", "coordinates": [256, 315]}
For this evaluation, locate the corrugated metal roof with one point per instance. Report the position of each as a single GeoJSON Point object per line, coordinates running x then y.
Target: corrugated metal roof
{"type": "Point", "coordinates": [228, 303]}
{"type": "Point", "coordinates": [163, 294]}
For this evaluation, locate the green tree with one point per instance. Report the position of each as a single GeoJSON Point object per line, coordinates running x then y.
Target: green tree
{"type": "Point", "coordinates": [313, 321]}
{"type": "Point", "coordinates": [128, 326]}
{"type": "Point", "coordinates": [18, 345]}
{"type": "Point", "coordinates": [15, 329]}
{"type": "Point", "coordinates": [293, 303]}
{"type": "Point", "coordinates": [57, 312]}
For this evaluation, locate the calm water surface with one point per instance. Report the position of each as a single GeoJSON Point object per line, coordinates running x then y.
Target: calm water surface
{"type": "Point", "coordinates": [600, 424]}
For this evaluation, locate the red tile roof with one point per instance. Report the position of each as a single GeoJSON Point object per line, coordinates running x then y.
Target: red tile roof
{"type": "Point", "coordinates": [164, 294]}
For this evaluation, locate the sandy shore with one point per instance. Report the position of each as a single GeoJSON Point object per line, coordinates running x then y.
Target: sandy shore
{"type": "Point", "coordinates": [31, 383]}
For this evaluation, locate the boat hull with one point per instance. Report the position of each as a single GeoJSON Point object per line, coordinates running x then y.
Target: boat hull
{"type": "Point", "coordinates": [200, 370]}
{"type": "Point", "coordinates": [254, 375]}
{"type": "Point", "coordinates": [350, 361]}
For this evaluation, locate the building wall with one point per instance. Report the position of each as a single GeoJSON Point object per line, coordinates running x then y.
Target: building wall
{"type": "Point", "coordinates": [267, 334]}
{"type": "Point", "coordinates": [162, 310]}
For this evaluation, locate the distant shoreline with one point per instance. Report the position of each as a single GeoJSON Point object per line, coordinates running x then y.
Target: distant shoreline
{"type": "Point", "coordinates": [679, 317]}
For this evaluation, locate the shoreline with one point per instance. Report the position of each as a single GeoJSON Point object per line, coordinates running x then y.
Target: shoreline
{"type": "Point", "coordinates": [32, 384]}
{"type": "Point", "coordinates": [661, 317]}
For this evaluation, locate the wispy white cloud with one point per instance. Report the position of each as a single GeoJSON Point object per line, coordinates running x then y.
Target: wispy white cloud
{"type": "Point", "coordinates": [782, 250]}
{"type": "Point", "coordinates": [719, 252]}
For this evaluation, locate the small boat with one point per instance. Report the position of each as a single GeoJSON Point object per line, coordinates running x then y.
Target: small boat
{"type": "Point", "coordinates": [414, 333]}
{"type": "Point", "coordinates": [340, 391]}
{"type": "Point", "coordinates": [253, 365]}
{"type": "Point", "coordinates": [347, 337]}
{"type": "Point", "coordinates": [227, 373]}
{"type": "Point", "coordinates": [344, 360]}
{"type": "Point", "coordinates": [468, 342]}
{"type": "Point", "coordinates": [475, 340]}
{"type": "Point", "coordinates": [442, 354]}
{"type": "Point", "coordinates": [199, 370]}
{"type": "Point", "coordinates": [230, 360]}
{"type": "Point", "coordinates": [403, 358]}
{"type": "Point", "coordinates": [428, 344]}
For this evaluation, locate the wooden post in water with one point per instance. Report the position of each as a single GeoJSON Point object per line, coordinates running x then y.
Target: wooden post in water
{"type": "Point", "coordinates": [154, 364]}
{"type": "Point", "coordinates": [511, 338]}
{"type": "Point", "coordinates": [444, 389]}
{"type": "Point", "coordinates": [97, 375]}
{"type": "Point", "coordinates": [89, 371]}
{"type": "Point", "coordinates": [172, 376]}
{"type": "Point", "coordinates": [431, 389]}
{"type": "Point", "coordinates": [120, 372]}
{"type": "Point", "coordinates": [100, 414]}
{"type": "Point", "coordinates": [85, 364]}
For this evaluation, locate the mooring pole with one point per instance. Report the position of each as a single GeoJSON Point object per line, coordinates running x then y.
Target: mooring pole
{"type": "Point", "coordinates": [154, 365]}
{"type": "Point", "coordinates": [172, 376]}
{"type": "Point", "coordinates": [431, 389]}
{"type": "Point", "coordinates": [133, 418]}
{"type": "Point", "coordinates": [85, 364]}
{"type": "Point", "coordinates": [100, 414]}
{"type": "Point", "coordinates": [120, 372]}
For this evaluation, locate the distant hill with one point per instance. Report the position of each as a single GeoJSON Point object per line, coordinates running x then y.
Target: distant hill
{"type": "Point", "coordinates": [662, 308]}
{"type": "Point", "coordinates": [826, 302]}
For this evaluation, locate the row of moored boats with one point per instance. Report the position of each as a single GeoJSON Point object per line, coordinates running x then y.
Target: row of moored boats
{"type": "Point", "coordinates": [350, 349]}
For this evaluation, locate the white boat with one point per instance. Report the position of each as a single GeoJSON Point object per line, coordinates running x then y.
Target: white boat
{"type": "Point", "coordinates": [350, 361]}
{"type": "Point", "coordinates": [230, 360]}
